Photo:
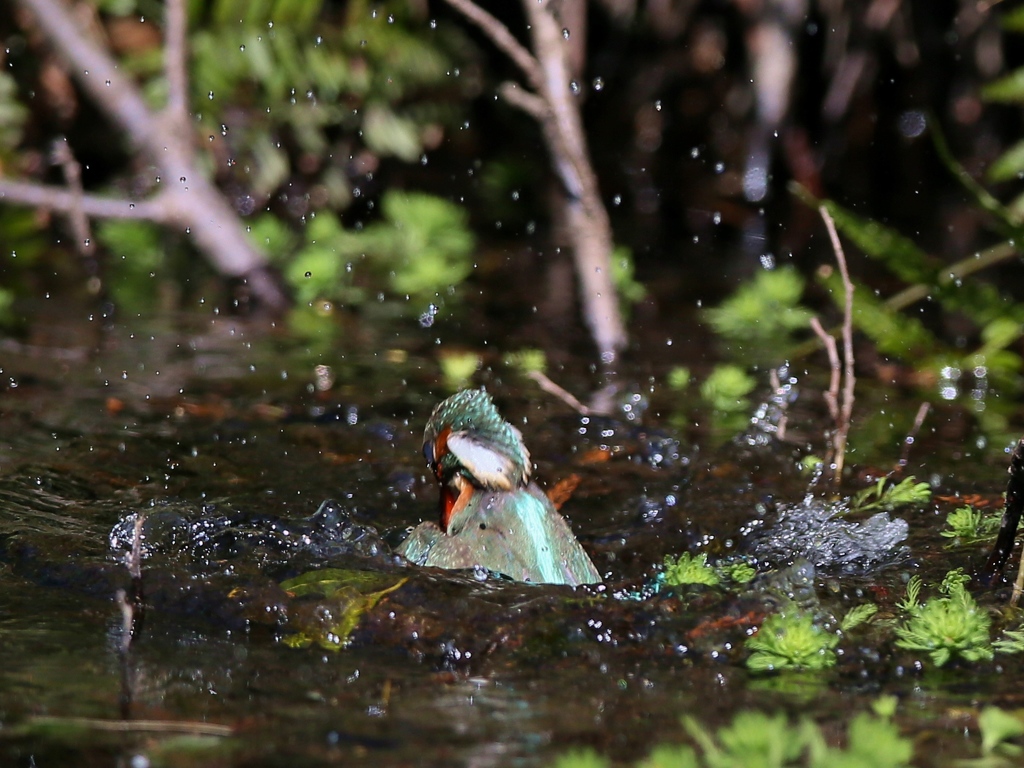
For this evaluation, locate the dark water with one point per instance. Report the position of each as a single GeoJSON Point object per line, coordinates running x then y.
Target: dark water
{"type": "Point", "coordinates": [227, 438]}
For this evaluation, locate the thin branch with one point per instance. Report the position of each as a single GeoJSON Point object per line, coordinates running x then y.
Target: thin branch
{"type": "Point", "coordinates": [192, 727]}
{"type": "Point", "coordinates": [176, 61]}
{"type": "Point", "coordinates": [190, 200]}
{"type": "Point", "coordinates": [63, 157]}
{"type": "Point", "coordinates": [95, 206]}
{"type": "Point", "coordinates": [504, 40]}
{"type": "Point", "coordinates": [562, 394]}
{"type": "Point", "coordinates": [849, 378]}
{"type": "Point", "coordinates": [529, 102]}
{"type": "Point", "coordinates": [832, 395]}
{"type": "Point", "coordinates": [922, 413]}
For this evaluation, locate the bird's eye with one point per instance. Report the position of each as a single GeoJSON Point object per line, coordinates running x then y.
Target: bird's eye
{"type": "Point", "coordinates": [428, 452]}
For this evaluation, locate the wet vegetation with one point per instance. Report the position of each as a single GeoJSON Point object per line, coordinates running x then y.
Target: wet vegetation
{"type": "Point", "coordinates": [790, 480]}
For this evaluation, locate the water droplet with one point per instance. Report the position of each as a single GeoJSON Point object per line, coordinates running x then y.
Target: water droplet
{"type": "Point", "coordinates": [241, 48]}
{"type": "Point", "coordinates": [391, 18]}
{"type": "Point", "coordinates": [210, 95]}
{"type": "Point", "coordinates": [515, 194]}
{"type": "Point", "coordinates": [108, 83]}
{"type": "Point", "coordinates": [617, 200]}
{"type": "Point", "coordinates": [574, 87]}
{"type": "Point", "coordinates": [598, 84]}
{"type": "Point", "coordinates": [657, 106]}
{"type": "Point", "coordinates": [182, 179]}
{"type": "Point", "coordinates": [433, 23]}
{"type": "Point", "coordinates": [565, 34]}
{"type": "Point", "coordinates": [717, 217]}
{"type": "Point", "coordinates": [309, 274]}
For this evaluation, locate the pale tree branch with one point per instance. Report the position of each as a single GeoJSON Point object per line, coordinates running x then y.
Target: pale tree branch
{"type": "Point", "coordinates": [503, 40]}
{"type": "Point", "coordinates": [547, 70]}
{"type": "Point", "coordinates": [78, 218]}
{"type": "Point", "coordinates": [66, 201]}
{"type": "Point", "coordinates": [844, 414]}
{"type": "Point", "coordinates": [176, 62]}
{"type": "Point", "coordinates": [189, 200]}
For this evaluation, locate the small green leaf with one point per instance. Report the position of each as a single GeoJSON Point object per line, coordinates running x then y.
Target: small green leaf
{"type": "Point", "coordinates": [689, 569]}
{"type": "Point", "coordinates": [997, 726]}
{"type": "Point", "coordinates": [881, 496]}
{"type": "Point", "coordinates": [1009, 165]}
{"type": "Point", "coordinates": [791, 641]}
{"type": "Point", "coordinates": [857, 616]}
{"type": "Point", "coordinates": [727, 387]}
{"type": "Point", "coordinates": [670, 756]}
{"type": "Point", "coordinates": [1008, 89]}
{"type": "Point", "coordinates": [586, 758]}
{"type": "Point", "coordinates": [678, 378]}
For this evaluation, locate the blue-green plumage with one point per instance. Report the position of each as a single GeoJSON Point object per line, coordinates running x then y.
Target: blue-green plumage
{"type": "Point", "coordinates": [492, 516]}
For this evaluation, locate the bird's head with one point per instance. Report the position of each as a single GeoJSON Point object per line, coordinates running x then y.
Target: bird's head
{"type": "Point", "coordinates": [467, 444]}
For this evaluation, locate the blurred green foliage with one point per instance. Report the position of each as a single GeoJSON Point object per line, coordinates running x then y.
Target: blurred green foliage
{"type": "Point", "coordinates": [421, 249]}
{"type": "Point", "coordinates": [888, 496]}
{"type": "Point", "coordinates": [758, 740]}
{"type": "Point", "coordinates": [760, 319]}
{"type": "Point", "coordinates": [137, 262]}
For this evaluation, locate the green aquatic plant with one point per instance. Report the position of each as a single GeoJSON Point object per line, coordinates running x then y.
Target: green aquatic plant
{"type": "Point", "coordinates": [458, 367]}
{"type": "Point", "coordinates": [581, 758]}
{"type": "Point", "coordinates": [1011, 641]}
{"type": "Point", "coordinates": [758, 740]}
{"type": "Point", "coordinates": [945, 627]}
{"type": "Point", "coordinates": [689, 569]}
{"type": "Point", "coordinates": [526, 361]}
{"type": "Point", "coordinates": [739, 572]}
{"type": "Point", "coordinates": [791, 640]}
{"type": "Point", "coordinates": [968, 525]}
{"type": "Point", "coordinates": [726, 389]}
{"type": "Point", "coordinates": [763, 313]}
{"type": "Point", "coordinates": [695, 569]}
{"type": "Point", "coordinates": [857, 616]}
{"type": "Point", "coordinates": [678, 378]}
{"type": "Point", "coordinates": [997, 727]}
{"type": "Point", "coordinates": [881, 496]}
{"type": "Point", "coordinates": [340, 597]}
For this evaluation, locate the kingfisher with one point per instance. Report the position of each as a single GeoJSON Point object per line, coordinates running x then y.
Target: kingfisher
{"type": "Point", "coordinates": [492, 515]}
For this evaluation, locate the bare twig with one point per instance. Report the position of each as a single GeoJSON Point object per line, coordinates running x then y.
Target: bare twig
{"type": "Point", "coordinates": [908, 441]}
{"type": "Point", "coordinates": [175, 63]}
{"type": "Point", "coordinates": [503, 40]}
{"type": "Point", "coordinates": [189, 201]}
{"type": "Point", "coordinates": [832, 395]}
{"type": "Point", "coordinates": [529, 102]}
{"type": "Point", "coordinates": [840, 408]}
{"type": "Point", "coordinates": [192, 727]}
{"type": "Point", "coordinates": [134, 561]}
{"type": "Point", "coordinates": [62, 200]}
{"type": "Point", "coordinates": [562, 394]}
{"type": "Point", "coordinates": [548, 72]}
{"type": "Point", "coordinates": [127, 620]}
{"type": "Point", "coordinates": [63, 157]}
